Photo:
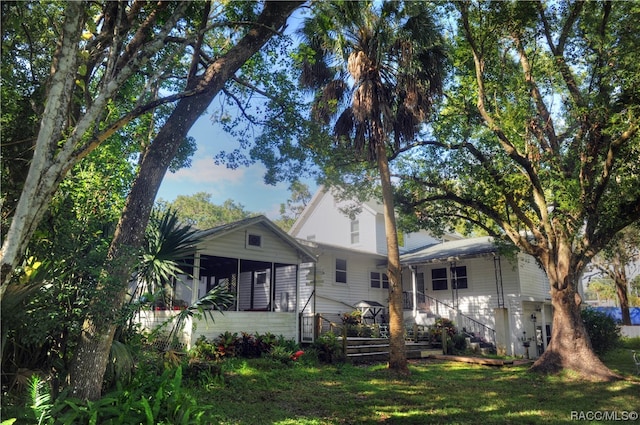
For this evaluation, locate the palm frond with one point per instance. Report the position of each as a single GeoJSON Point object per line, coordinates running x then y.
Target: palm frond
{"type": "Point", "coordinates": [167, 245]}
{"type": "Point", "coordinates": [217, 299]}
{"type": "Point", "coordinates": [121, 362]}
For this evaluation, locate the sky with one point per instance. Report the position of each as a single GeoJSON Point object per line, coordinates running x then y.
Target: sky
{"type": "Point", "coordinates": [244, 185]}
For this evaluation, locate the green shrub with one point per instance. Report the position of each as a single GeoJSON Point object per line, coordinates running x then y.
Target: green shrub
{"type": "Point", "coordinates": [281, 354]}
{"type": "Point", "coordinates": [228, 343]}
{"type": "Point", "coordinates": [328, 347]}
{"type": "Point", "coordinates": [435, 330]}
{"type": "Point", "coordinates": [603, 330]}
{"type": "Point", "coordinates": [151, 399]}
{"type": "Point", "coordinates": [459, 342]}
{"type": "Point", "coordinates": [204, 350]}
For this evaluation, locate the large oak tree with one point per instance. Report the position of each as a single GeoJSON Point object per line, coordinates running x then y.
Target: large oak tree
{"type": "Point", "coordinates": [99, 48]}
{"type": "Point", "coordinates": [538, 144]}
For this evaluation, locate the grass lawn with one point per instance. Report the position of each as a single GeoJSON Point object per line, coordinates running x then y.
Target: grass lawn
{"type": "Point", "coordinates": [259, 391]}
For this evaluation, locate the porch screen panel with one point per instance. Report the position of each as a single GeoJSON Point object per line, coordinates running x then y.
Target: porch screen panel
{"type": "Point", "coordinates": [261, 289]}
{"type": "Point", "coordinates": [285, 290]}
{"type": "Point", "coordinates": [244, 291]}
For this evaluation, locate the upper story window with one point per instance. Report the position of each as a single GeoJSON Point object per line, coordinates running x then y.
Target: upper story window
{"type": "Point", "coordinates": [379, 280]}
{"type": "Point", "coordinates": [341, 270]}
{"type": "Point", "coordinates": [439, 279]}
{"type": "Point", "coordinates": [355, 232]}
{"type": "Point", "coordinates": [459, 277]}
{"type": "Point", "coordinates": [254, 240]}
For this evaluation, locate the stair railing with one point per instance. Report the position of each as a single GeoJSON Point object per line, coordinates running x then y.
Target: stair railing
{"type": "Point", "coordinates": [465, 323]}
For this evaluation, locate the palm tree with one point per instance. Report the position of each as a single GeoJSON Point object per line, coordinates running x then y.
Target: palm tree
{"type": "Point", "coordinates": [376, 70]}
{"type": "Point", "coordinates": [167, 246]}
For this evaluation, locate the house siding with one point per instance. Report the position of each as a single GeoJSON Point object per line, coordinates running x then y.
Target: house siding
{"type": "Point", "coordinates": [336, 298]}
{"type": "Point", "coordinates": [479, 299]}
{"type": "Point", "coordinates": [534, 283]}
{"type": "Point", "coordinates": [233, 245]}
{"type": "Point", "coordinates": [325, 223]}
{"type": "Point", "coordinates": [284, 324]}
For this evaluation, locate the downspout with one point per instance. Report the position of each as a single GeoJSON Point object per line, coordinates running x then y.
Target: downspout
{"type": "Point", "coordinates": [297, 312]}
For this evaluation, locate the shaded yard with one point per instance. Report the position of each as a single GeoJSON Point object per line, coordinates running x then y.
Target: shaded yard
{"type": "Point", "coordinates": [437, 392]}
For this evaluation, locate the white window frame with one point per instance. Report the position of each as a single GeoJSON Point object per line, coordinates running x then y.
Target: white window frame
{"type": "Point", "coordinates": [341, 271]}
{"type": "Point", "coordinates": [355, 231]}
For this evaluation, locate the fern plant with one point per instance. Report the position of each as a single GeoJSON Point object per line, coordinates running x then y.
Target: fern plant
{"type": "Point", "coordinates": [40, 399]}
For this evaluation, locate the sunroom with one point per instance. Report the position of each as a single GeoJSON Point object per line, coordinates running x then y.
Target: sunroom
{"type": "Point", "coordinates": [258, 263]}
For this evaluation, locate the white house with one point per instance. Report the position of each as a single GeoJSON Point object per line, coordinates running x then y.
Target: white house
{"type": "Point", "coordinates": [331, 264]}
{"type": "Point", "coordinates": [323, 221]}
{"type": "Point", "coordinates": [502, 299]}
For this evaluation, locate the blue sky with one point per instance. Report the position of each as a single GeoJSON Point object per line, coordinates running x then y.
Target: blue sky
{"type": "Point", "coordinates": [243, 185]}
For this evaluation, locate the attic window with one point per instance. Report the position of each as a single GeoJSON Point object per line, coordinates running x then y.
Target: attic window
{"type": "Point", "coordinates": [254, 240]}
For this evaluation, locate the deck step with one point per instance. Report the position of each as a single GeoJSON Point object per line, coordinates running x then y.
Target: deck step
{"type": "Point", "coordinates": [377, 349]}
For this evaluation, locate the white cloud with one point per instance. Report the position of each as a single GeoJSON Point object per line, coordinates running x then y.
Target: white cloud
{"type": "Point", "coordinates": [206, 171]}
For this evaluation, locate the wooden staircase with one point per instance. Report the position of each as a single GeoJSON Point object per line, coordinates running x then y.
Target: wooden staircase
{"type": "Point", "coordinates": [363, 350]}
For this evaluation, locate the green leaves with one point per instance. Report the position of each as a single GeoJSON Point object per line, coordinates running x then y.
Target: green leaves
{"type": "Point", "coordinates": [527, 130]}
{"type": "Point", "coordinates": [167, 243]}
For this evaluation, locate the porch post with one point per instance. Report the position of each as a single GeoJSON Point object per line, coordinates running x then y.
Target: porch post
{"type": "Point", "coordinates": [238, 286]}
{"type": "Point", "coordinates": [272, 288]}
{"type": "Point", "coordinates": [195, 283]}
{"type": "Point", "coordinates": [502, 331]}
{"type": "Point", "coordinates": [414, 287]}
{"type": "Point", "coordinates": [297, 308]}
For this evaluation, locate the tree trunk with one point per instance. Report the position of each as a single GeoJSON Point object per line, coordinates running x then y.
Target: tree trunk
{"type": "Point", "coordinates": [94, 347]}
{"type": "Point", "coordinates": [41, 181]}
{"type": "Point", "coordinates": [570, 346]}
{"type": "Point", "coordinates": [397, 348]}
{"type": "Point", "coordinates": [619, 275]}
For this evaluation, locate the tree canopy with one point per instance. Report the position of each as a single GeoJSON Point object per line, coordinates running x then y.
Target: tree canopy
{"type": "Point", "coordinates": [537, 143]}
{"type": "Point", "coordinates": [199, 211]}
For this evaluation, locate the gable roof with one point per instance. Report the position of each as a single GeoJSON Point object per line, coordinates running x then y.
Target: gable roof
{"type": "Point", "coordinates": [451, 251]}
{"type": "Point", "coordinates": [306, 213]}
{"type": "Point", "coordinates": [225, 229]}
{"type": "Point", "coordinates": [373, 207]}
